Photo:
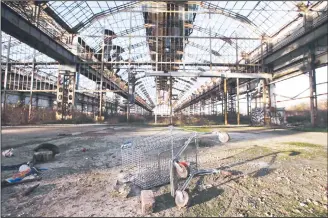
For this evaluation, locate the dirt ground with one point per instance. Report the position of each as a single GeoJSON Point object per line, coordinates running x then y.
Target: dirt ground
{"type": "Point", "coordinates": [275, 173]}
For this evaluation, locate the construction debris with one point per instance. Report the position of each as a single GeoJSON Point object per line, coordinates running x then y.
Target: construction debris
{"type": "Point", "coordinates": [147, 201]}
{"type": "Point", "coordinates": [5, 183]}
{"type": "Point", "coordinates": [43, 156]}
{"type": "Point", "coordinates": [8, 153]}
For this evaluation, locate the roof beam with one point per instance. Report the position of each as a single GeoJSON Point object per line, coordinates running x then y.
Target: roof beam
{"type": "Point", "coordinates": [16, 26]}
{"type": "Point", "coordinates": [60, 21]}
{"type": "Point", "coordinates": [211, 74]}
{"type": "Point", "coordinates": [297, 47]}
{"type": "Point", "coordinates": [211, 34]}
{"type": "Point", "coordinates": [226, 12]}
{"type": "Point", "coordinates": [102, 14]}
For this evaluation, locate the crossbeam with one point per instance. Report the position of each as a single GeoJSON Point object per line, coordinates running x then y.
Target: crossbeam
{"type": "Point", "coordinates": [218, 64]}
{"type": "Point", "coordinates": [212, 74]}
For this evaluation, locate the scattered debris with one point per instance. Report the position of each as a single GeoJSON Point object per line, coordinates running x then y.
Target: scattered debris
{"type": "Point", "coordinates": [20, 175]}
{"type": "Point", "coordinates": [202, 187]}
{"type": "Point", "coordinates": [23, 168]}
{"type": "Point", "coordinates": [302, 204]}
{"type": "Point", "coordinates": [123, 189]}
{"type": "Point", "coordinates": [261, 199]}
{"type": "Point", "coordinates": [25, 174]}
{"type": "Point", "coordinates": [12, 167]}
{"type": "Point", "coordinates": [296, 211]}
{"type": "Point", "coordinates": [226, 173]}
{"type": "Point", "coordinates": [5, 183]}
{"type": "Point", "coordinates": [316, 203]}
{"type": "Point", "coordinates": [309, 200]}
{"type": "Point", "coordinates": [8, 153]}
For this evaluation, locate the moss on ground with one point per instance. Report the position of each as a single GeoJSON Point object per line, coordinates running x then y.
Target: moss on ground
{"type": "Point", "coordinates": [205, 203]}
{"type": "Point", "coordinates": [294, 209]}
{"type": "Point", "coordinates": [311, 129]}
{"type": "Point", "coordinates": [296, 150]}
{"type": "Point", "coordinates": [258, 150]}
{"type": "Point", "coordinates": [198, 129]}
{"type": "Point", "coordinates": [302, 144]}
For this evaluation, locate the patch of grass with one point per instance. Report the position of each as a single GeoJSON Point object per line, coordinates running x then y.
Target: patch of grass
{"type": "Point", "coordinates": [311, 210]}
{"type": "Point", "coordinates": [301, 153]}
{"type": "Point", "coordinates": [197, 129]}
{"type": "Point", "coordinates": [206, 204]}
{"type": "Point", "coordinates": [302, 144]}
{"type": "Point", "coordinates": [114, 194]}
{"type": "Point", "coordinates": [258, 150]}
{"type": "Point", "coordinates": [311, 129]}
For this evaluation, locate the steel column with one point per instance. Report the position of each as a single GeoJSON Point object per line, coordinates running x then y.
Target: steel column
{"type": "Point", "coordinates": [238, 114]}
{"type": "Point", "coordinates": [247, 99]}
{"type": "Point", "coordinates": [313, 97]}
{"type": "Point", "coordinates": [5, 79]}
{"type": "Point", "coordinates": [225, 103]}
{"type": "Point", "coordinates": [36, 20]}
{"type": "Point", "coordinates": [171, 118]}
{"type": "Point", "coordinates": [101, 77]}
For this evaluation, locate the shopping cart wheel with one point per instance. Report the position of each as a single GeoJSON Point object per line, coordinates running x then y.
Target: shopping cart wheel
{"type": "Point", "coordinates": [183, 172]}
{"type": "Point", "coordinates": [224, 137]}
{"type": "Point", "coordinates": [181, 198]}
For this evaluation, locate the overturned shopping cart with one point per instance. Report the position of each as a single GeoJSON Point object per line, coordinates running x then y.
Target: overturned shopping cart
{"type": "Point", "coordinates": [169, 156]}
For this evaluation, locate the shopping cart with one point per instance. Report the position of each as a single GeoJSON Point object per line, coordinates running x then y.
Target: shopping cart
{"type": "Point", "coordinates": [169, 156]}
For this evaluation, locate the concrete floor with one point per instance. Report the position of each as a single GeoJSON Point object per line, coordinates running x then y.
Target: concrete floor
{"type": "Point", "coordinates": [80, 183]}
{"type": "Point", "coordinates": [12, 137]}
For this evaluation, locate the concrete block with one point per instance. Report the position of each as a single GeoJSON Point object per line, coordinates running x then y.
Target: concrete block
{"type": "Point", "coordinates": [147, 201]}
{"type": "Point", "coordinates": [43, 156]}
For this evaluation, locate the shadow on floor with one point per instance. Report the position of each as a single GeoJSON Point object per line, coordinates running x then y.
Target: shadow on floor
{"type": "Point", "coordinates": [163, 202]}
{"type": "Point", "coordinates": [204, 196]}
{"type": "Point", "coordinates": [166, 201]}
{"type": "Point", "coordinates": [273, 154]}
{"type": "Point", "coordinates": [260, 172]}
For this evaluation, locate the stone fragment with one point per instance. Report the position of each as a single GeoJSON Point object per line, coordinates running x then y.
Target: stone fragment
{"type": "Point", "coordinates": [147, 201]}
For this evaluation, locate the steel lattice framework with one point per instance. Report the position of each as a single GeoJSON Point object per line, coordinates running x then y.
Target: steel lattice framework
{"type": "Point", "coordinates": [110, 41]}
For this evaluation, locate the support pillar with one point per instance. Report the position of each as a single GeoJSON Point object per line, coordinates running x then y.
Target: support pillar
{"type": "Point", "coordinates": [36, 21]}
{"type": "Point", "coordinates": [36, 100]}
{"type": "Point", "coordinates": [157, 94]}
{"type": "Point", "coordinates": [93, 106]}
{"type": "Point", "coordinates": [5, 79]}
{"type": "Point", "coordinates": [171, 114]}
{"type": "Point", "coordinates": [222, 107]}
{"type": "Point", "coordinates": [100, 113]}
{"type": "Point", "coordinates": [50, 102]}
{"type": "Point", "coordinates": [247, 102]}
{"type": "Point", "coordinates": [313, 97]}
{"type": "Point", "coordinates": [225, 103]}
{"type": "Point", "coordinates": [238, 114]}
{"type": "Point", "coordinates": [264, 104]}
